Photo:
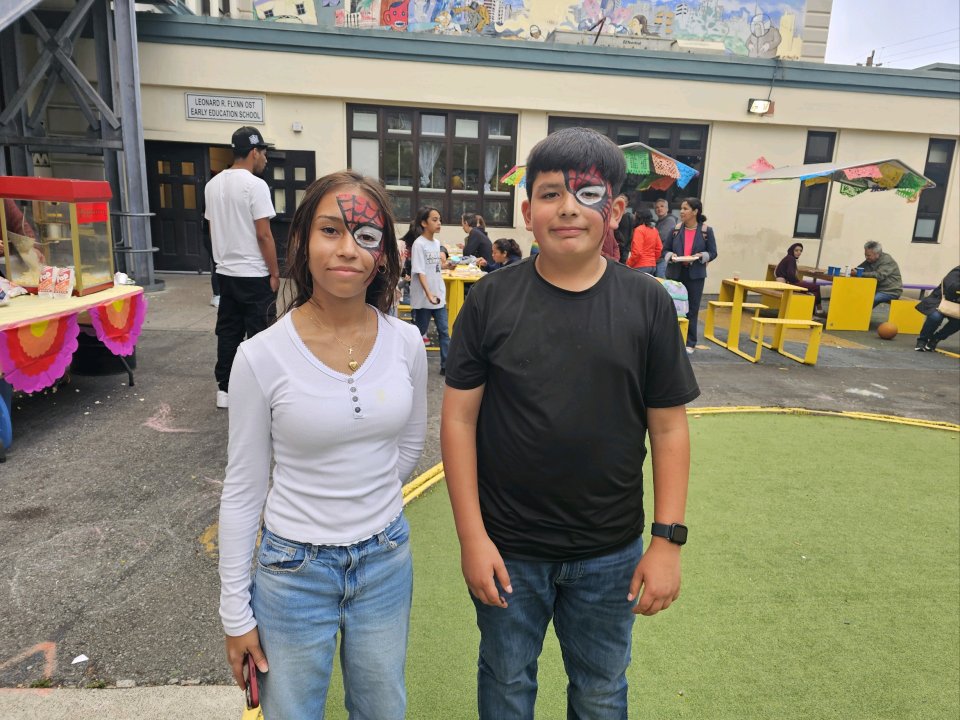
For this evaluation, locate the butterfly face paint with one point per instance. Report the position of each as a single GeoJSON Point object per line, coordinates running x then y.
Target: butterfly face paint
{"type": "Point", "coordinates": [591, 190]}
{"type": "Point", "coordinates": [365, 222]}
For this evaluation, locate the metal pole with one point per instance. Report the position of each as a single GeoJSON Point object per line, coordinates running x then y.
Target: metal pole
{"type": "Point", "coordinates": [103, 52]}
{"type": "Point", "coordinates": [11, 65]}
{"type": "Point", "coordinates": [131, 129]}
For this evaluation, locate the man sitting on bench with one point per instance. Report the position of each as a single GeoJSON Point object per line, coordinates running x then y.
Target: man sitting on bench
{"type": "Point", "coordinates": [884, 268]}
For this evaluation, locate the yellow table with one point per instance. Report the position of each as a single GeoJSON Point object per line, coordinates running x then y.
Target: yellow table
{"type": "Point", "coordinates": [455, 282]}
{"type": "Point", "coordinates": [851, 302]}
{"type": "Point", "coordinates": [734, 292]}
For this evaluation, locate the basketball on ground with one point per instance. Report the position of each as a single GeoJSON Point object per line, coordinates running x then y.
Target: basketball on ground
{"type": "Point", "coordinates": [887, 330]}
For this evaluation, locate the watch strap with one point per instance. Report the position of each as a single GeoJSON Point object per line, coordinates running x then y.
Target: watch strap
{"type": "Point", "coordinates": [669, 532]}
{"type": "Point", "coordinates": [660, 530]}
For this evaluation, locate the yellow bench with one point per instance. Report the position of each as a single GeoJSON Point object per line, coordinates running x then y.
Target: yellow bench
{"type": "Point", "coordinates": [904, 314]}
{"type": "Point", "coordinates": [760, 324]}
{"type": "Point", "coordinates": [405, 312]}
{"type": "Point", "coordinates": [712, 306]}
{"type": "Point", "coordinates": [684, 326]}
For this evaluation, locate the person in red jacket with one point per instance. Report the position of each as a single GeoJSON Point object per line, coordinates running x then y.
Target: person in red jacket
{"type": "Point", "coordinates": [645, 246]}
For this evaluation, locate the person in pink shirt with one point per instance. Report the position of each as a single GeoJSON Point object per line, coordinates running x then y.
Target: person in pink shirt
{"type": "Point", "coordinates": [692, 246]}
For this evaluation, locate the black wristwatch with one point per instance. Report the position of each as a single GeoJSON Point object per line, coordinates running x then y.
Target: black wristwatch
{"type": "Point", "coordinates": [675, 533]}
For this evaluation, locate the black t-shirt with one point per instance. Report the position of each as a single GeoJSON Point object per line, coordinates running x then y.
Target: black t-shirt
{"type": "Point", "coordinates": [568, 379]}
{"type": "Point", "coordinates": [478, 245]}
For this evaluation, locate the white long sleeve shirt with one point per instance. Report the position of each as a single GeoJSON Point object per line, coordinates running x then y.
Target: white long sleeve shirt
{"type": "Point", "coordinates": [341, 446]}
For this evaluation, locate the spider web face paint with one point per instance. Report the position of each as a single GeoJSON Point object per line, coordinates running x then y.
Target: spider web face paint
{"type": "Point", "coordinates": [590, 189]}
{"type": "Point", "coordinates": [364, 221]}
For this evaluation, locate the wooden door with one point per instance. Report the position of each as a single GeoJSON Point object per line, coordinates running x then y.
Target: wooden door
{"type": "Point", "coordinates": [288, 173]}
{"type": "Point", "coordinates": [176, 174]}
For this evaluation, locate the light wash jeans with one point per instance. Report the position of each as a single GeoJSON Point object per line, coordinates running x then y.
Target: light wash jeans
{"type": "Point", "coordinates": [303, 595]}
{"type": "Point", "coordinates": [587, 601]}
{"type": "Point", "coordinates": [421, 318]}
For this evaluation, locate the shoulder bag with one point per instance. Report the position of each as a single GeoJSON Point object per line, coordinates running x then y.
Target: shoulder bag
{"type": "Point", "coordinates": [947, 307]}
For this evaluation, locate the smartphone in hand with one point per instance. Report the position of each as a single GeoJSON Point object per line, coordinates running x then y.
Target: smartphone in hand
{"type": "Point", "coordinates": [250, 679]}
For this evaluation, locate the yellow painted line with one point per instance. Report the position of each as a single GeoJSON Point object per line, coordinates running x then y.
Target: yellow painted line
{"type": "Point", "coordinates": [419, 485]}
{"type": "Point", "coordinates": [948, 353]}
{"type": "Point", "coordinates": [876, 417]}
{"type": "Point", "coordinates": [839, 342]}
{"type": "Point", "coordinates": [208, 538]}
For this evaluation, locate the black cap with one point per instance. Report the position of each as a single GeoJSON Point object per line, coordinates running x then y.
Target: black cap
{"type": "Point", "coordinates": [247, 138]}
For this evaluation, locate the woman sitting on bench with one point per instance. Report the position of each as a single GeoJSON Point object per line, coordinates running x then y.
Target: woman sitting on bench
{"type": "Point", "coordinates": [787, 272]}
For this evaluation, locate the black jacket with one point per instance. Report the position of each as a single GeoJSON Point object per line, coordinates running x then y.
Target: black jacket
{"type": "Point", "coordinates": [950, 284]}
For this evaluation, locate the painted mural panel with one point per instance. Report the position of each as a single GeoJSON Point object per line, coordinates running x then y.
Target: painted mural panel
{"type": "Point", "coordinates": [755, 29]}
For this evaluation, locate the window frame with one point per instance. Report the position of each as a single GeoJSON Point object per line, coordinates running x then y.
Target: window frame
{"type": "Point", "coordinates": [813, 200]}
{"type": "Point", "coordinates": [931, 202]}
{"type": "Point", "coordinates": [611, 127]}
{"type": "Point", "coordinates": [448, 196]}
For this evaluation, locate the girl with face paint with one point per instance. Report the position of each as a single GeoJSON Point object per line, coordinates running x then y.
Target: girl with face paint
{"type": "Point", "coordinates": [329, 403]}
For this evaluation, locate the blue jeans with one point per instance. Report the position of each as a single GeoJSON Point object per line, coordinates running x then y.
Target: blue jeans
{"type": "Point", "coordinates": [303, 595]}
{"type": "Point", "coordinates": [661, 268]}
{"type": "Point", "coordinates": [931, 329]}
{"type": "Point", "coordinates": [587, 601]}
{"type": "Point", "coordinates": [421, 317]}
{"type": "Point", "coordinates": [882, 297]}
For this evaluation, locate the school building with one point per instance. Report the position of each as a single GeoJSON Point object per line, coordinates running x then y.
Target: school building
{"type": "Point", "coordinates": [440, 117]}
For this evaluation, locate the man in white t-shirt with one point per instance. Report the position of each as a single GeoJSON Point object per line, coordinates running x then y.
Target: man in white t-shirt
{"type": "Point", "coordinates": [239, 209]}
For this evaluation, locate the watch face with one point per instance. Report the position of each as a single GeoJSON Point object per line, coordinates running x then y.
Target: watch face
{"type": "Point", "coordinates": [679, 534]}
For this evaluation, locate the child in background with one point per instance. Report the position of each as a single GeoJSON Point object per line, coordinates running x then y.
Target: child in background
{"type": "Point", "coordinates": [477, 243]}
{"type": "Point", "coordinates": [551, 389]}
{"type": "Point", "coordinates": [427, 292]}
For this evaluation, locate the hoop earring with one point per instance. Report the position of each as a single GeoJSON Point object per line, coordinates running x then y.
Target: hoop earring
{"type": "Point", "coordinates": [381, 269]}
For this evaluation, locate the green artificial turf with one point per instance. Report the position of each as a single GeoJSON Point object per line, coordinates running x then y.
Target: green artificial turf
{"type": "Point", "coordinates": [821, 580]}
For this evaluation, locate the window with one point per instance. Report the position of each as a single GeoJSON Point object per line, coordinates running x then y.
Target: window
{"type": "Point", "coordinates": [812, 202]}
{"type": "Point", "coordinates": [930, 204]}
{"type": "Point", "coordinates": [686, 143]}
{"type": "Point", "coordinates": [449, 159]}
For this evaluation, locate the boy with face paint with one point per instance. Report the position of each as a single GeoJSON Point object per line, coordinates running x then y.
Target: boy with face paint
{"type": "Point", "coordinates": [551, 390]}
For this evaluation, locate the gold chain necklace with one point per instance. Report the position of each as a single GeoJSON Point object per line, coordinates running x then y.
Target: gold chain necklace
{"type": "Point", "coordinates": [351, 363]}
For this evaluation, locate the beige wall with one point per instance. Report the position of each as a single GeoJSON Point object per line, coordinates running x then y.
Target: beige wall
{"type": "Point", "coordinates": [753, 227]}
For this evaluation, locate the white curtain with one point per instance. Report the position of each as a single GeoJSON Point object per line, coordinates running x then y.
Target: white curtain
{"type": "Point", "coordinates": [491, 156]}
{"type": "Point", "coordinates": [429, 152]}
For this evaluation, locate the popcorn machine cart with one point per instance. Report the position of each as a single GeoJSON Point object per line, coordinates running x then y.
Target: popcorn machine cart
{"type": "Point", "coordinates": [55, 222]}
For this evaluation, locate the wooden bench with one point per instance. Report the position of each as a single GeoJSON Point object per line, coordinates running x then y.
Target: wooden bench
{"type": "Point", "coordinates": [760, 324]}
{"type": "Point", "coordinates": [712, 306]}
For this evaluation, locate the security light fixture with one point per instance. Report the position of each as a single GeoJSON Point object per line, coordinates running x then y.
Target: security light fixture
{"type": "Point", "coordinates": [756, 106]}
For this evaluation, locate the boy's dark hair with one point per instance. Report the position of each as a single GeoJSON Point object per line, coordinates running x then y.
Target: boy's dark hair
{"type": "Point", "coordinates": [576, 148]}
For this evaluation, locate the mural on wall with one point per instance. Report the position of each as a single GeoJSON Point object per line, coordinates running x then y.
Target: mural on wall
{"type": "Point", "coordinates": [292, 11]}
{"type": "Point", "coordinates": [755, 29]}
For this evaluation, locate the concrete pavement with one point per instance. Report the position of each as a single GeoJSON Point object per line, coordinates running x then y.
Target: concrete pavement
{"type": "Point", "coordinates": [110, 493]}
